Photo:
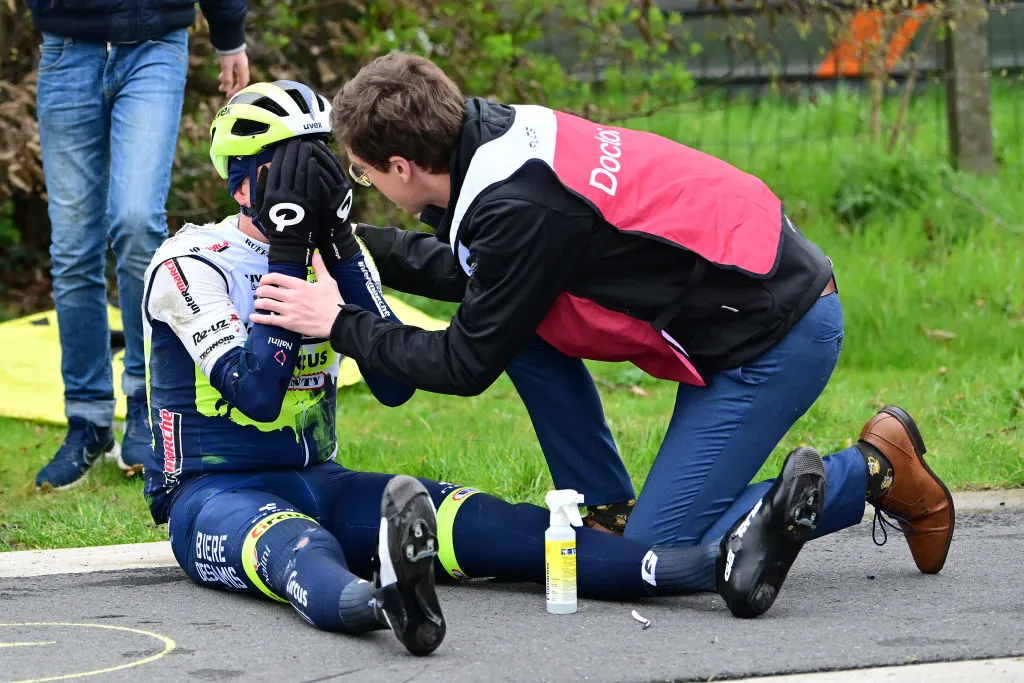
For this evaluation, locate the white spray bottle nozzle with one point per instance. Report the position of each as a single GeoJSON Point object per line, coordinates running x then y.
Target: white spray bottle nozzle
{"type": "Point", "coordinates": [564, 505]}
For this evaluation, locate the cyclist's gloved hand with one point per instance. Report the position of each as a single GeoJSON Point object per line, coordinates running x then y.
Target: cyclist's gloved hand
{"type": "Point", "coordinates": [288, 202]}
{"type": "Point", "coordinates": [337, 243]}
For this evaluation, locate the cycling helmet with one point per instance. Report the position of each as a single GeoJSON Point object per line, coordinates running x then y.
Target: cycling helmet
{"type": "Point", "coordinates": [263, 114]}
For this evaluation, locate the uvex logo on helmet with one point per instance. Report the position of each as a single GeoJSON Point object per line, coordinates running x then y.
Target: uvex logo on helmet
{"type": "Point", "coordinates": [603, 177]}
{"type": "Point", "coordinates": [312, 126]}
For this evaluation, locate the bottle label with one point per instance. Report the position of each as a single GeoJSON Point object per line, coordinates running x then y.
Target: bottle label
{"type": "Point", "coordinates": [560, 568]}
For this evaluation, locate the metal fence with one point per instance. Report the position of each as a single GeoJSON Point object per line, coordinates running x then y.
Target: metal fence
{"type": "Point", "coordinates": [787, 93]}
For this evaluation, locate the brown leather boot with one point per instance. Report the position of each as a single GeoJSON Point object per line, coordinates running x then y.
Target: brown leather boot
{"type": "Point", "coordinates": [917, 499]}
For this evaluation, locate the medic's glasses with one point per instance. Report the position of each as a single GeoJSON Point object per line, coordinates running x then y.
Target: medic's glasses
{"type": "Point", "coordinates": [358, 174]}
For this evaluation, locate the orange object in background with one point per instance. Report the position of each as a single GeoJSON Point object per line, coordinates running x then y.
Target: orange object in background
{"type": "Point", "coordinates": [849, 56]}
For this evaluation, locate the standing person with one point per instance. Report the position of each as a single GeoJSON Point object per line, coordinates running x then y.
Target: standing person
{"type": "Point", "coordinates": [617, 245]}
{"type": "Point", "coordinates": [110, 89]}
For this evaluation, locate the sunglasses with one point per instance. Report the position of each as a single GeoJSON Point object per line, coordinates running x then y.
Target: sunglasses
{"type": "Point", "coordinates": [359, 175]}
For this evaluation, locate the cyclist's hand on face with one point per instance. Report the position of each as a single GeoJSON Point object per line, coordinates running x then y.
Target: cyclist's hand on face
{"type": "Point", "coordinates": [337, 242]}
{"type": "Point", "coordinates": [288, 202]}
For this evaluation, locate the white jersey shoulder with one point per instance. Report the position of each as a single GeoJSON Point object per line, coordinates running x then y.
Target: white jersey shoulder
{"type": "Point", "coordinates": [222, 244]}
{"type": "Point", "coordinates": [201, 283]}
{"type": "Point", "coordinates": [240, 260]}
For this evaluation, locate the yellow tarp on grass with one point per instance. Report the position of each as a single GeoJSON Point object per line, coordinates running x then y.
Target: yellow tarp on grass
{"type": "Point", "coordinates": [31, 387]}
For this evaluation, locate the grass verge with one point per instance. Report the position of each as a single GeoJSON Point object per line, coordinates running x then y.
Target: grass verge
{"type": "Point", "coordinates": [930, 266]}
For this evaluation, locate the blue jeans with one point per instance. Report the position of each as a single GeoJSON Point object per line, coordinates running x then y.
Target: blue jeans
{"type": "Point", "coordinates": [718, 437]}
{"type": "Point", "coordinates": [108, 127]}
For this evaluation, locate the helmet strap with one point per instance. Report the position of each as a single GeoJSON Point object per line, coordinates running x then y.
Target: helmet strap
{"type": "Point", "coordinates": [254, 216]}
{"type": "Point", "coordinates": [252, 211]}
{"type": "Point", "coordinates": [251, 167]}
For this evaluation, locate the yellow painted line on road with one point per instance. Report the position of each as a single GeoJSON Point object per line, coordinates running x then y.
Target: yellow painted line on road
{"type": "Point", "coordinates": [43, 642]}
{"type": "Point", "coordinates": [169, 645]}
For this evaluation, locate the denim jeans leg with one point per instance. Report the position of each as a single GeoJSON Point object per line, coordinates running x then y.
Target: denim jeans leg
{"type": "Point", "coordinates": [567, 415]}
{"type": "Point", "coordinates": [74, 134]}
{"type": "Point", "coordinates": [720, 435]}
{"type": "Point", "coordinates": [148, 85]}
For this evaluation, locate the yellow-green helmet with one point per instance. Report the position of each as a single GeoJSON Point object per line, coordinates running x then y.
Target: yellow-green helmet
{"type": "Point", "coordinates": [262, 114]}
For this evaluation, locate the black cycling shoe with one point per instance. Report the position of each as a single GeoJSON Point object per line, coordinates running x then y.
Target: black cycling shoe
{"type": "Point", "coordinates": [756, 554]}
{"type": "Point", "coordinates": [404, 566]}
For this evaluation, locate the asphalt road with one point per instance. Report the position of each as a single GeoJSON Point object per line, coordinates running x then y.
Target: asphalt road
{"type": "Point", "coordinates": [847, 604]}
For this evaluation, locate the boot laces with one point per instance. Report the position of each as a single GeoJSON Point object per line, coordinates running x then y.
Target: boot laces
{"type": "Point", "coordinates": [885, 519]}
{"type": "Point", "coordinates": [75, 443]}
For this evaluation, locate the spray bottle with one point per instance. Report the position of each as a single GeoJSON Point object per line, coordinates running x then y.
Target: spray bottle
{"type": "Point", "coordinates": [560, 550]}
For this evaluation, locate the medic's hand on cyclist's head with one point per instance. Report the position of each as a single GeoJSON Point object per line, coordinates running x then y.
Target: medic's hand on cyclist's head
{"type": "Point", "coordinates": [288, 202]}
{"type": "Point", "coordinates": [337, 244]}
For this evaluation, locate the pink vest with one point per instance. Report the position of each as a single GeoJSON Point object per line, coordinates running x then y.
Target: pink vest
{"type": "Point", "coordinates": [641, 183]}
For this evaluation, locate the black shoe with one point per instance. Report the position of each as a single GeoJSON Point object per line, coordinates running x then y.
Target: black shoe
{"type": "Point", "coordinates": [137, 444]}
{"type": "Point", "coordinates": [756, 554]}
{"type": "Point", "coordinates": [84, 444]}
{"type": "Point", "coordinates": [404, 566]}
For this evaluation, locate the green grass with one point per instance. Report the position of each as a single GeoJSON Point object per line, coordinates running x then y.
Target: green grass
{"type": "Point", "coordinates": [764, 132]}
{"type": "Point", "coordinates": [933, 293]}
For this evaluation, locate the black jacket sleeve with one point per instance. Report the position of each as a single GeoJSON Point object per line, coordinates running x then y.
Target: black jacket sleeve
{"type": "Point", "coordinates": [227, 23]}
{"type": "Point", "coordinates": [523, 255]}
{"type": "Point", "coordinates": [414, 262]}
